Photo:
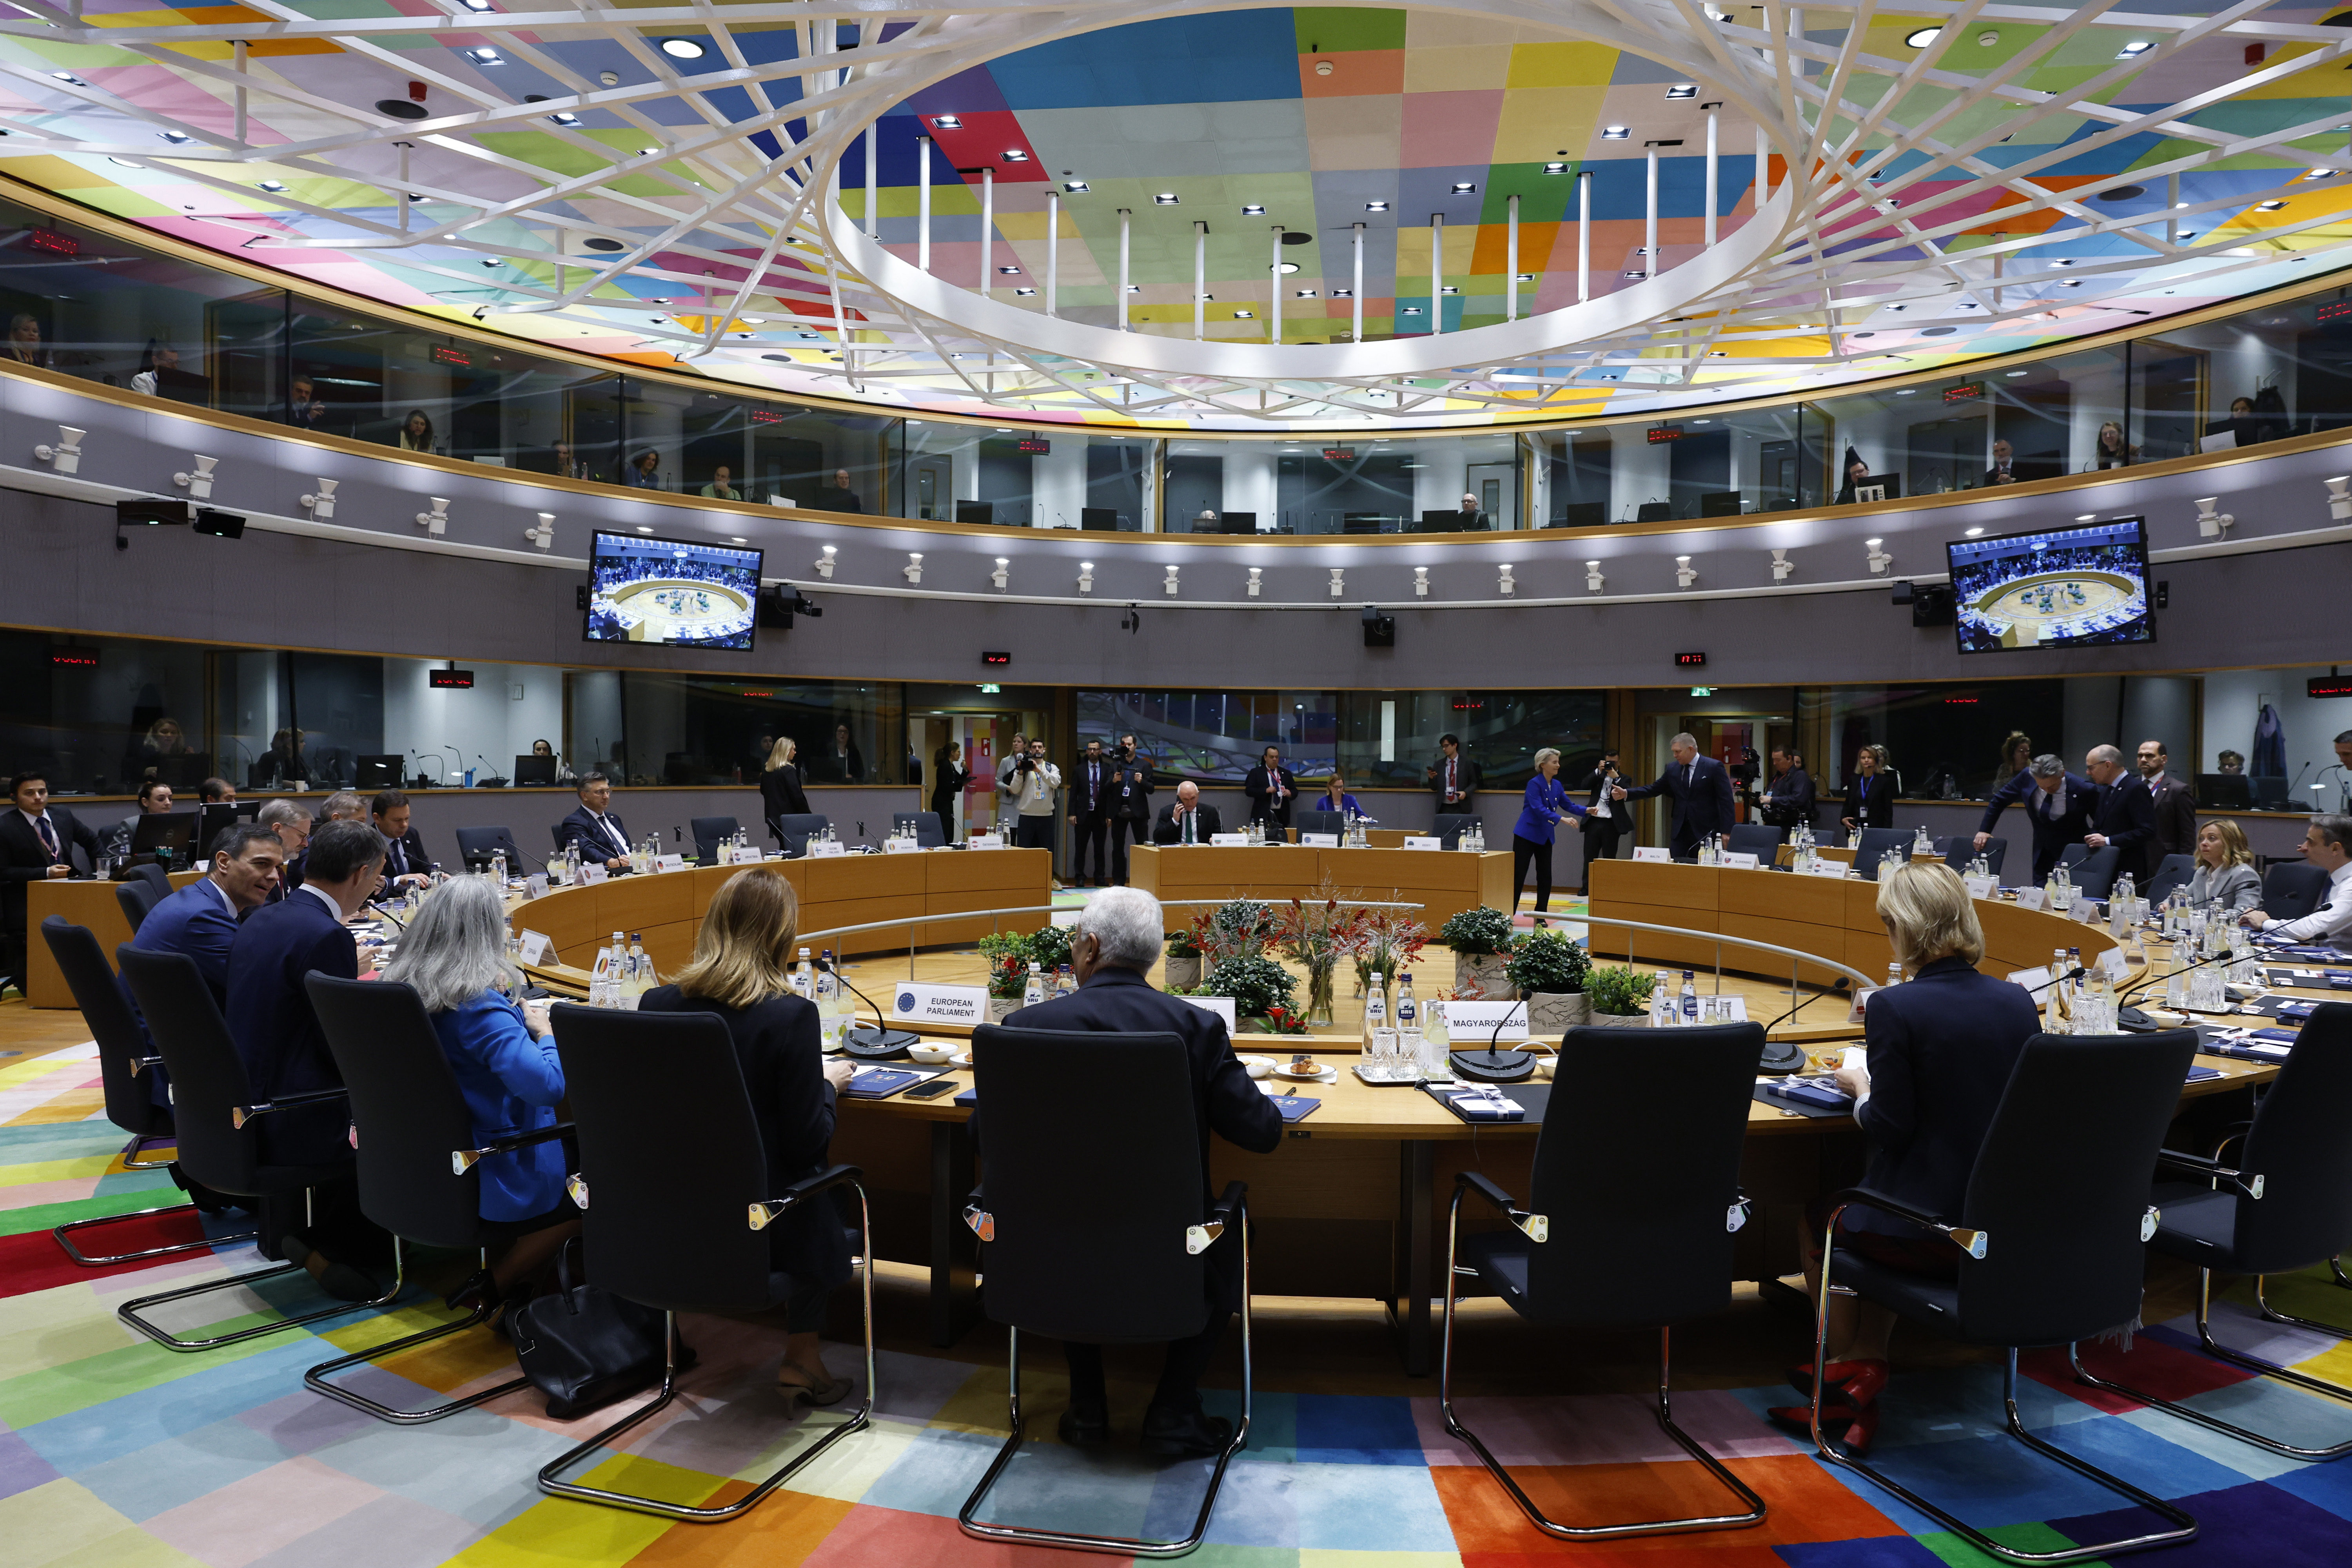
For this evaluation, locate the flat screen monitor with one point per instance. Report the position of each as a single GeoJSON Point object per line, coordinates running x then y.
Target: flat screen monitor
{"type": "Point", "coordinates": [1360, 521]}
{"type": "Point", "coordinates": [534, 771]}
{"type": "Point", "coordinates": [980, 512]}
{"type": "Point", "coordinates": [2082, 586]}
{"type": "Point", "coordinates": [1890, 483]}
{"type": "Point", "coordinates": [380, 772]}
{"type": "Point", "coordinates": [1655, 512]}
{"type": "Point", "coordinates": [677, 592]}
{"type": "Point", "coordinates": [213, 819]}
{"type": "Point", "coordinates": [1098, 518]}
{"type": "Point", "coordinates": [171, 830]}
{"type": "Point", "coordinates": [2225, 792]}
{"type": "Point", "coordinates": [1238, 521]}
{"type": "Point", "coordinates": [2273, 792]}
{"type": "Point", "coordinates": [1582, 514]}
{"type": "Point", "coordinates": [1718, 503]}
{"type": "Point", "coordinates": [1453, 520]}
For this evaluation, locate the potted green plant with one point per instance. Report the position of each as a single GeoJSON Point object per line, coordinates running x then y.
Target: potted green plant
{"type": "Point", "coordinates": [1008, 956]}
{"type": "Point", "coordinates": [1050, 945]}
{"type": "Point", "coordinates": [1255, 983]}
{"type": "Point", "coordinates": [1181, 972]}
{"type": "Point", "coordinates": [1549, 971]}
{"type": "Point", "coordinates": [1481, 941]}
{"type": "Point", "coordinates": [1621, 997]}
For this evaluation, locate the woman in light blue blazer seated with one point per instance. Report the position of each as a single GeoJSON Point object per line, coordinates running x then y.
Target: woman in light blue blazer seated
{"type": "Point", "coordinates": [453, 956]}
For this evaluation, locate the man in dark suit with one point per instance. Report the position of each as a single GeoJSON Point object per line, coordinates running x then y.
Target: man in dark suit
{"type": "Point", "coordinates": [1701, 790]}
{"type": "Point", "coordinates": [292, 824]}
{"type": "Point", "coordinates": [1187, 821]}
{"type": "Point", "coordinates": [403, 848]}
{"type": "Point", "coordinates": [2123, 814]}
{"type": "Point", "coordinates": [1117, 940]}
{"type": "Point", "coordinates": [37, 843]}
{"type": "Point", "coordinates": [2057, 803]}
{"type": "Point", "coordinates": [1130, 804]}
{"type": "Point", "coordinates": [285, 1052]}
{"type": "Point", "coordinates": [2002, 472]}
{"type": "Point", "coordinates": [1271, 788]}
{"type": "Point", "coordinates": [2175, 807]}
{"type": "Point", "coordinates": [1604, 831]}
{"type": "Point", "coordinates": [1791, 798]}
{"type": "Point", "coordinates": [597, 832]}
{"type": "Point", "coordinates": [1089, 783]}
{"type": "Point", "coordinates": [1453, 778]}
{"type": "Point", "coordinates": [201, 919]}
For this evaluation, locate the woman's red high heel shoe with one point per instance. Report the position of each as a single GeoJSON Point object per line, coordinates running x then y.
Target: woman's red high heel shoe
{"type": "Point", "coordinates": [1846, 1428]}
{"type": "Point", "coordinates": [1853, 1383]}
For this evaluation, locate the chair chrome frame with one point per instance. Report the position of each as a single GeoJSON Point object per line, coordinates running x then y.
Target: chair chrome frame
{"type": "Point", "coordinates": [762, 1216]}
{"type": "Point", "coordinates": [1973, 1243]}
{"type": "Point", "coordinates": [1233, 1210]}
{"type": "Point", "coordinates": [1532, 1225]}
{"type": "Point", "coordinates": [130, 1162]}
{"type": "Point", "coordinates": [2249, 1186]}
{"type": "Point", "coordinates": [128, 1310]}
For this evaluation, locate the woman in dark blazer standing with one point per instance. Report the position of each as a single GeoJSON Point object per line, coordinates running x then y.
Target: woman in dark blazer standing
{"type": "Point", "coordinates": [1869, 799]}
{"type": "Point", "coordinates": [1941, 1047]}
{"type": "Point", "coordinates": [780, 793]}
{"type": "Point", "coordinates": [742, 973]}
{"type": "Point", "coordinates": [948, 780]}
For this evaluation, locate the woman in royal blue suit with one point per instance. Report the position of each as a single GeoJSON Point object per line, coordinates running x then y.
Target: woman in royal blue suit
{"type": "Point", "coordinates": [1941, 1047]}
{"type": "Point", "coordinates": [1335, 797]}
{"type": "Point", "coordinates": [1547, 805]}
{"type": "Point", "coordinates": [453, 956]}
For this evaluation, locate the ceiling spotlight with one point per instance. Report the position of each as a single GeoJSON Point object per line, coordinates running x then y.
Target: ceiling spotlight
{"type": "Point", "coordinates": [681, 48]}
{"type": "Point", "coordinates": [475, 4]}
{"type": "Point", "coordinates": [1306, 293]}
{"type": "Point", "coordinates": [1245, 315]}
{"type": "Point", "coordinates": [753, 320]}
{"type": "Point", "coordinates": [1637, 275]}
{"type": "Point", "coordinates": [2186, 234]}
{"type": "Point", "coordinates": [648, 151]}
{"type": "Point", "coordinates": [2318, 174]}
{"type": "Point", "coordinates": [1614, 132]}
{"type": "Point", "coordinates": [2133, 50]}
{"type": "Point", "coordinates": [485, 56]}
{"type": "Point", "coordinates": [1376, 206]}
{"type": "Point", "coordinates": [69, 78]}
{"type": "Point", "coordinates": [1975, 532]}
{"type": "Point", "coordinates": [1164, 199]}
{"type": "Point", "coordinates": [1921, 38]}
{"type": "Point", "coordinates": [492, 261]}
{"type": "Point", "coordinates": [1410, 311]}
{"type": "Point", "coordinates": [1015, 155]}
{"type": "Point", "coordinates": [946, 122]}
{"type": "Point", "coordinates": [1075, 188]}
{"type": "Point", "coordinates": [1555, 168]}
{"type": "Point", "coordinates": [1464, 188]}
{"type": "Point", "coordinates": [1287, 267]}
{"type": "Point", "coordinates": [2268, 207]}
{"type": "Point", "coordinates": [1251, 209]}
{"type": "Point", "coordinates": [2015, 374]}
{"type": "Point", "coordinates": [566, 118]}
{"type": "Point", "coordinates": [1135, 288]}
{"type": "Point", "coordinates": [1343, 293]}
{"type": "Point", "coordinates": [126, 163]}
{"type": "Point", "coordinates": [1680, 91]}
{"type": "Point", "coordinates": [1988, 38]}
{"type": "Point", "coordinates": [1448, 288]}
{"type": "Point", "coordinates": [1526, 277]}
{"type": "Point", "coordinates": [1009, 271]}
{"type": "Point", "coordinates": [177, 138]}
{"type": "Point", "coordinates": [1025, 291]}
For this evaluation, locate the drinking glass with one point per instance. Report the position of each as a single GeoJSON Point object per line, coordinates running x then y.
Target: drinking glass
{"type": "Point", "coordinates": [1380, 1063]}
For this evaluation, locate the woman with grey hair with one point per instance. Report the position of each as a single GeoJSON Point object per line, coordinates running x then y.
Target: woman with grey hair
{"type": "Point", "coordinates": [1548, 805]}
{"type": "Point", "coordinates": [453, 956]}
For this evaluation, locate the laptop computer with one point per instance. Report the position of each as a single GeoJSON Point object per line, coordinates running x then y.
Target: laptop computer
{"type": "Point", "coordinates": [164, 830]}
{"type": "Point", "coordinates": [378, 772]}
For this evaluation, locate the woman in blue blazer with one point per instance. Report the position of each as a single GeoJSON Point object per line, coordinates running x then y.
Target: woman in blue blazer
{"type": "Point", "coordinates": [1335, 797]}
{"type": "Point", "coordinates": [1941, 1047]}
{"type": "Point", "coordinates": [1548, 805]}
{"type": "Point", "coordinates": [453, 956]}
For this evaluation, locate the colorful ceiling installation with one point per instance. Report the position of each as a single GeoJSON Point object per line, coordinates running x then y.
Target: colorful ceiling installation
{"type": "Point", "coordinates": [688, 186]}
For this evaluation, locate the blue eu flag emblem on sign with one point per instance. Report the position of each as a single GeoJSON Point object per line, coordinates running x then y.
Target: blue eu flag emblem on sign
{"type": "Point", "coordinates": [906, 1001]}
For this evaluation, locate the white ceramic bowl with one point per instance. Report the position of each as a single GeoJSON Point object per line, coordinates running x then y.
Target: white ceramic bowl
{"type": "Point", "coordinates": [1258, 1065]}
{"type": "Point", "coordinates": [930, 1055]}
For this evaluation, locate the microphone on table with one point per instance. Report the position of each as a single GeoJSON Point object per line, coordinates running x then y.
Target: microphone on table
{"type": "Point", "coordinates": [1494, 1065]}
{"type": "Point", "coordinates": [877, 1044]}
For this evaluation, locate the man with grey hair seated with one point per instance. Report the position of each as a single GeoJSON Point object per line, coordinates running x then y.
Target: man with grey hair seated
{"type": "Point", "coordinates": [1118, 936]}
{"type": "Point", "coordinates": [2056, 803]}
{"type": "Point", "coordinates": [291, 823]}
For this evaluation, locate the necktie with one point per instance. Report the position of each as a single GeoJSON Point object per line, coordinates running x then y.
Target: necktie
{"type": "Point", "coordinates": [1188, 827]}
{"type": "Point", "coordinates": [1449, 777]}
{"type": "Point", "coordinates": [49, 835]}
{"type": "Point", "coordinates": [399, 861]}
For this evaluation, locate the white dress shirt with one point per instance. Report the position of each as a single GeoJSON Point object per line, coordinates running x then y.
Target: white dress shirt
{"type": "Point", "coordinates": [2331, 920]}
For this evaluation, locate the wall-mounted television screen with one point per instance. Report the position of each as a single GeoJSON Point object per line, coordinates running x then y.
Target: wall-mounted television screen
{"type": "Point", "coordinates": [674, 591]}
{"type": "Point", "coordinates": [2081, 587]}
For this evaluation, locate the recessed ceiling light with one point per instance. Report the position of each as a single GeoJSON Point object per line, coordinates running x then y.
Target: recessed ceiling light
{"type": "Point", "coordinates": [2136, 47]}
{"type": "Point", "coordinates": [1974, 533]}
{"type": "Point", "coordinates": [1555, 168]}
{"type": "Point", "coordinates": [946, 122]}
{"type": "Point", "coordinates": [1907, 391]}
{"type": "Point", "coordinates": [1287, 267]}
{"type": "Point", "coordinates": [681, 48]}
{"type": "Point", "coordinates": [1015, 155]}
{"type": "Point", "coordinates": [1376, 206]}
{"type": "Point", "coordinates": [1306, 293]}
{"type": "Point", "coordinates": [1526, 277]}
{"type": "Point", "coordinates": [2268, 207]}
{"type": "Point", "coordinates": [1245, 315]}
{"type": "Point", "coordinates": [1681, 90]}
{"type": "Point", "coordinates": [2070, 282]}
{"type": "Point", "coordinates": [2086, 517]}
{"type": "Point", "coordinates": [739, 539]}
{"type": "Point", "coordinates": [1251, 209]}
{"type": "Point", "coordinates": [492, 261]}
{"type": "Point", "coordinates": [475, 4]}
{"type": "Point", "coordinates": [1614, 133]}
{"type": "Point", "coordinates": [2015, 374]}
{"type": "Point", "coordinates": [485, 56]}
{"type": "Point", "coordinates": [1921, 38]}
{"type": "Point", "coordinates": [1025, 290]}
{"type": "Point", "coordinates": [2185, 234]}
{"type": "Point", "coordinates": [1075, 188]}
{"type": "Point", "coordinates": [565, 118]}
{"type": "Point", "coordinates": [1637, 275]}
{"type": "Point", "coordinates": [125, 162]}
{"type": "Point", "coordinates": [1464, 188]}
{"type": "Point", "coordinates": [1343, 293]}
{"type": "Point", "coordinates": [1410, 311]}
{"type": "Point", "coordinates": [69, 78]}
{"type": "Point", "coordinates": [175, 138]}
{"type": "Point", "coordinates": [1135, 288]}
{"type": "Point", "coordinates": [2318, 174]}
{"type": "Point", "coordinates": [1009, 271]}
{"type": "Point", "coordinates": [1164, 199]}
{"type": "Point", "coordinates": [1448, 288]}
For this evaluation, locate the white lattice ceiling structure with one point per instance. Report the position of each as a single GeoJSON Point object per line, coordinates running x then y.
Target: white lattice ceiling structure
{"type": "Point", "coordinates": [689, 184]}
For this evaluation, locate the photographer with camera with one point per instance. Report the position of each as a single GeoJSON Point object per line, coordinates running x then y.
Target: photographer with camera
{"type": "Point", "coordinates": [1129, 798]}
{"type": "Point", "coordinates": [1032, 782]}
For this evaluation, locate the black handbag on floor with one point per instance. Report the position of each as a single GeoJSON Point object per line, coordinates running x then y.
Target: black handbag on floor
{"type": "Point", "coordinates": [585, 1347]}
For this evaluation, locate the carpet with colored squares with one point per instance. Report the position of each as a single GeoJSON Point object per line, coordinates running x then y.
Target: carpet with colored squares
{"type": "Point", "coordinates": [116, 1452]}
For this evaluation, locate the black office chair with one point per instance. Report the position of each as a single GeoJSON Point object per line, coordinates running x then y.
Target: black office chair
{"type": "Point", "coordinates": [1093, 1228]}
{"type": "Point", "coordinates": [1877, 844]}
{"type": "Point", "coordinates": [136, 897]}
{"type": "Point", "coordinates": [1449, 824]}
{"type": "Point", "coordinates": [556, 833]}
{"type": "Point", "coordinates": [928, 831]}
{"type": "Point", "coordinates": [214, 1110]}
{"type": "Point", "coordinates": [2095, 875]}
{"type": "Point", "coordinates": [2050, 1234]}
{"type": "Point", "coordinates": [2173, 871]}
{"type": "Point", "coordinates": [2291, 890]}
{"type": "Point", "coordinates": [2074, 855]}
{"type": "Point", "coordinates": [2284, 1205]}
{"type": "Point", "coordinates": [418, 1158]}
{"type": "Point", "coordinates": [123, 1057]}
{"type": "Point", "coordinates": [791, 829]}
{"type": "Point", "coordinates": [1959, 848]}
{"type": "Point", "coordinates": [1308, 821]}
{"type": "Point", "coordinates": [673, 1180]}
{"type": "Point", "coordinates": [1756, 838]}
{"type": "Point", "coordinates": [707, 831]}
{"type": "Point", "coordinates": [476, 845]}
{"type": "Point", "coordinates": [1600, 1252]}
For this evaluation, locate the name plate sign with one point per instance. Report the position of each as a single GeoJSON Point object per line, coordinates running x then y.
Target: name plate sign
{"type": "Point", "coordinates": [536, 946]}
{"type": "Point", "coordinates": [1651, 852]}
{"type": "Point", "coordinates": [1226, 840]}
{"type": "Point", "coordinates": [1469, 1024]}
{"type": "Point", "coordinates": [826, 848]}
{"type": "Point", "coordinates": [1326, 840]}
{"type": "Point", "coordinates": [1738, 857]}
{"type": "Point", "coordinates": [916, 1002]}
{"type": "Point", "coordinates": [1982, 887]}
{"type": "Point", "coordinates": [2113, 963]}
{"type": "Point", "coordinates": [669, 862]}
{"type": "Point", "coordinates": [591, 873]}
{"type": "Point", "coordinates": [1222, 1006]}
{"type": "Point", "coordinates": [900, 847]}
{"type": "Point", "coordinates": [1422, 841]}
{"type": "Point", "coordinates": [1827, 868]}
{"type": "Point", "coordinates": [2029, 898]}
{"type": "Point", "coordinates": [988, 841]}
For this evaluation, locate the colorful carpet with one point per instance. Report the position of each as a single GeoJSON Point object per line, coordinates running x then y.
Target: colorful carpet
{"type": "Point", "coordinates": [115, 1452]}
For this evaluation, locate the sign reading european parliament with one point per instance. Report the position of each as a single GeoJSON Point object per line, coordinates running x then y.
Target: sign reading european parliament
{"type": "Point", "coordinates": [913, 1003]}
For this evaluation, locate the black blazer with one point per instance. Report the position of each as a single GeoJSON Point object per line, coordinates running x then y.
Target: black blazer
{"type": "Point", "coordinates": [780, 792]}
{"type": "Point", "coordinates": [2125, 813]}
{"type": "Point", "coordinates": [23, 858]}
{"type": "Point", "coordinates": [1164, 830]}
{"type": "Point", "coordinates": [2176, 819]}
{"type": "Point", "coordinates": [1090, 797]}
{"type": "Point", "coordinates": [1941, 1048]}
{"type": "Point", "coordinates": [780, 1049]}
{"type": "Point", "coordinates": [1130, 791]}
{"type": "Point", "coordinates": [1469, 775]}
{"type": "Point", "coordinates": [412, 857]}
{"type": "Point", "coordinates": [2050, 835]}
{"type": "Point", "coordinates": [850, 769]}
{"type": "Point", "coordinates": [1259, 787]}
{"type": "Point", "coordinates": [1794, 799]}
{"type": "Point", "coordinates": [1224, 1100]}
{"type": "Point", "coordinates": [945, 788]}
{"type": "Point", "coordinates": [580, 828]}
{"type": "Point", "coordinates": [1870, 801]}
{"type": "Point", "coordinates": [278, 1035]}
{"type": "Point", "coordinates": [1702, 802]}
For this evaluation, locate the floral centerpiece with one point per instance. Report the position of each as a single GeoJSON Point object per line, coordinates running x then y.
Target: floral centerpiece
{"type": "Point", "coordinates": [1256, 983]}
{"type": "Point", "coordinates": [1481, 940]}
{"type": "Point", "coordinates": [1008, 955]}
{"type": "Point", "coordinates": [1316, 933]}
{"type": "Point", "coordinates": [1621, 997]}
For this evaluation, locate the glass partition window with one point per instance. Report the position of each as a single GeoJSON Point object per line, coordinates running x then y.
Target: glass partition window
{"type": "Point", "coordinates": [1718, 465]}
{"type": "Point", "coordinates": [2064, 415]}
{"type": "Point", "coordinates": [1020, 479]}
{"type": "Point", "coordinates": [1944, 741]}
{"type": "Point", "coordinates": [1374, 485]}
